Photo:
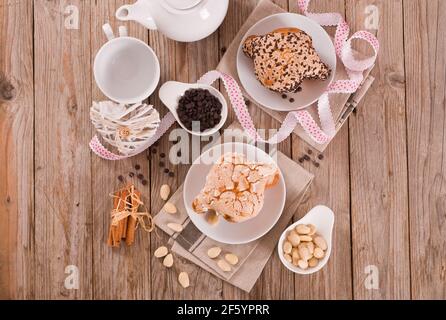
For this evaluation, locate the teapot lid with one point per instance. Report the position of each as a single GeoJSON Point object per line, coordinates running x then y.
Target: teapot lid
{"type": "Point", "coordinates": [183, 4]}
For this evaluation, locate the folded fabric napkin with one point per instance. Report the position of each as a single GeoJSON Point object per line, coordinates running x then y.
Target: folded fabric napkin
{"type": "Point", "coordinates": [193, 245]}
{"type": "Point", "coordinates": [341, 104]}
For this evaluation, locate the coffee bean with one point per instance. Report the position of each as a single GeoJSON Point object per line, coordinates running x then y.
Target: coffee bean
{"type": "Point", "coordinates": [140, 176]}
{"type": "Point", "coordinates": [121, 178]}
{"type": "Point", "coordinates": [179, 153]}
{"type": "Point", "coordinates": [137, 167]}
{"type": "Point", "coordinates": [153, 150]}
{"type": "Point", "coordinates": [162, 155]}
{"type": "Point", "coordinates": [161, 164]}
{"type": "Point", "coordinates": [299, 89]}
{"type": "Point", "coordinates": [301, 160]}
{"type": "Point", "coordinates": [171, 174]}
{"type": "Point", "coordinates": [316, 164]}
{"type": "Point", "coordinates": [291, 100]}
{"type": "Point", "coordinates": [320, 157]}
{"type": "Point", "coordinates": [166, 170]}
{"type": "Point", "coordinates": [306, 157]}
{"type": "Point", "coordinates": [131, 174]}
{"type": "Point", "coordinates": [284, 96]}
{"type": "Point", "coordinates": [247, 102]}
{"type": "Point", "coordinates": [309, 151]}
{"type": "Point", "coordinates": [144, 182]}
{"type": "Point", "coordinates": [223, 50]}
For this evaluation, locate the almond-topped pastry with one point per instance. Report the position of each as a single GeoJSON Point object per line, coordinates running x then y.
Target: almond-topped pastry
{"type": "Point", "coordinates": [235, 187]}
{"type": "Point", "coordinates": [284, 58]}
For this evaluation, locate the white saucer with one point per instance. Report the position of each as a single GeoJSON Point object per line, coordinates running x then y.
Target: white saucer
{"type": "Point", "coordinates": [311, 89]}
{"type": "Point", "coordinates": [223, 231]}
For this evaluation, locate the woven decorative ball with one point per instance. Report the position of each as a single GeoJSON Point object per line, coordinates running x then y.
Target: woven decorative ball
{"type": "Point", "coordinates": [125, 127]}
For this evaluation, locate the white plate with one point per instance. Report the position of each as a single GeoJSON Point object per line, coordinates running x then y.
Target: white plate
{"type": "Point", "coordinates": [224, 231]}
{"type": "Point", "coordinates": [311, 89]}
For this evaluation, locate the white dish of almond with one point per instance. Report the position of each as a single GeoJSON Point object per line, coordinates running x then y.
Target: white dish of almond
{"type": "Point", "coordinates": [305, 246]}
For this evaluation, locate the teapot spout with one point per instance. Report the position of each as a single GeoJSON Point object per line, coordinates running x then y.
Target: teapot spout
{"type": "Point", "coordinates": [139, 12]}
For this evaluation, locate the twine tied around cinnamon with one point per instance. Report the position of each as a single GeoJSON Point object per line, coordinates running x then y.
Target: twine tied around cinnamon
{"type": "Point", "coordinates": [130, 206]}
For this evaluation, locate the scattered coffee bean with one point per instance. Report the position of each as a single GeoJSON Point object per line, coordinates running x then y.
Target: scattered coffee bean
{"type": "Point", "coordinates": [291, 100]}
{"type": "Point", "coordinates": [316, 164]}
{"type": "Point", "coordinates": [199, 105]}
{"type": "Point", "coordinates": [162, 155]}
{"type": "Point", "coordinates": [306, 157]}
{"type": "Point", "coordinates": [247, 102]}
{"type": "Point", "coordinates": [171, 174]}
{"type": "Point", "coordinates": [320, 157]}
{"type": "Point", "coordinates": [144, 182]}
{"type": "Point", "coordinates": [284, 96]}
{"type": "Point", "coordinates": [121, 178]}
{"type": "Point", "coordinates": [299, 89]}
{"type": "Point", "coordinates": [223, 50]}
{"type": "Point", "coordinates": [179, 153]}
{"type": "Point", "coordinates": [140, 176]}
{"type": "Point", "coordinates": [301, 160]}
{"type": "Point", "coordinates": [153, 150]}
{"type": "Point", "coordinates": [166, 170]}
{"type": "Point", "coordinates": [156, 143]}
{"type": "Point", "coordinates": [137, 167]}
{"type": "Point", "coordinates": [162, 164]}
{"type": "Point", "coordinates": [309, 151]}
{"type": "Point", "coordinates": [131, 174]}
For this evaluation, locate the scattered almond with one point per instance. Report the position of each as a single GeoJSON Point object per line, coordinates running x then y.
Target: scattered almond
{"type": "Point", "coordinates": [223, 265]}
{"type": "Point", "coordinates": [319, 253]}
{"type": "Point", "coordinates": [231, 258]}
{"type": "Point", "coordinates": [168, 261]}
{"type": "Point", "coordinates": [183, 279]}
{"type": "Point", "coordinates": [287, 247]}
{"type": "Point", "coordinates": [313, 262]}
{"type": "Point", "coordinates": [161, 252]}
{"type": "Point", "coordinates": [175, 227]}
{"type": "Point", "coordinates": [320, 242]}
{"type": "Point", "coordinates": [302, 229]}
{"type": "Point", "coordinates": [165, 192]}
{"type": "Point", "coordinates": [170, 208]}
{"type": "Point", "coordinates": [214, 252]}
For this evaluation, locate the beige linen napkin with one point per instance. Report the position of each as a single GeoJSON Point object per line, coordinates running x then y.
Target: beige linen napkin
{"type": "Point", "coordinates": [193, 245]}
{"type": "Point", "coordinates": [341, 104]}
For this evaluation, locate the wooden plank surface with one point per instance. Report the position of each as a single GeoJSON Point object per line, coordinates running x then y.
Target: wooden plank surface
{"type": "Point", "coordinates": [425, 46]}
{"type": "Point", "coordinates": [330, 187]}
{"type": "Point", "coordinates": [16, 150]}
{"type": "Point", "coordinates": [118, 273]}
{"type": "Point", "coordinates": [378, 160]}
{"type": "Point", "coordinates": [382, 175]}
{"type": "Point", "coordinates": [63, 199]}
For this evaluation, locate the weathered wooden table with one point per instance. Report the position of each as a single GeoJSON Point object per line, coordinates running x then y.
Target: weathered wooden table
{"type": "Point", "coordinates": [383, 175]}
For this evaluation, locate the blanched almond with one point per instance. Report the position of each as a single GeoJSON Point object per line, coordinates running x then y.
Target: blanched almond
{"type": "Point", "coordinates": [175, 227]}
{"type": "Point", "coordinates": [170, 208]}
{"type": "Point", "coordinates": [304, 253]}
{"type": "Point", "coordinates": [313, 262]}
{"type": "Point", "coordinates": [320, 242]}
{"type": "Point", "coordinates": [319, 253]}
{"type": "Point", "coordinates": [168, 261]}
{"type": "Point", "coordinates": [288, 258]}
{"type": "Point", "coordinates": [302, 229]}
{"type": "Point", "coordinates": [161, 252]}
{"type": "Point", "coordinates": [223, 265]}
{"type": "Point", "coordinates": [231, 258]}
{"type": "Point", "coordinates": [303, 264]}
{"type": "Point", "coordinates": [183, 279]}
{"type": "Point", "coordinates": [214, 252]}
{"type": "Point", "coordinates": [287, 247]}
{"type": "Point", "coordinates": [165, 192]}
{"type": "Point", "coordinates": [305, 238]}
{"type": "Point", "coordinates": [312, 229]}
{"type": "Point", "coordinates": [293, 237]}
{"type": "Point", "coordinates": [310, 246]}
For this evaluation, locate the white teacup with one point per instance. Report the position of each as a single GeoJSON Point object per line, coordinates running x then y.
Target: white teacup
{"type": "Point", "coordinates": [126, 69]}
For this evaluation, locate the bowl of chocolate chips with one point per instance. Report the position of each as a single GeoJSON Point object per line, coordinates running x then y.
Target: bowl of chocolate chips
{"type": "Point", "coordinates": [200, 109]}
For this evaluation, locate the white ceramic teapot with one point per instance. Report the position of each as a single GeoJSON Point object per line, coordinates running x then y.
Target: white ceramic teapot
{"type": "Point", "coordinates": [180, 20]}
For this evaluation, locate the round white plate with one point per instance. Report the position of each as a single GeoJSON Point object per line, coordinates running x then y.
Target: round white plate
{"type": "Point", "coordinates": [224, 231]}
{"type": "Point", "coordinates": [311, 89]}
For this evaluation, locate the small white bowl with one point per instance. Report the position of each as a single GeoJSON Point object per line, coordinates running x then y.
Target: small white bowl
{"type": "Point", "coordinates": [323, 218]}
{"type": "Point", "coordinates": [171, 92]}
